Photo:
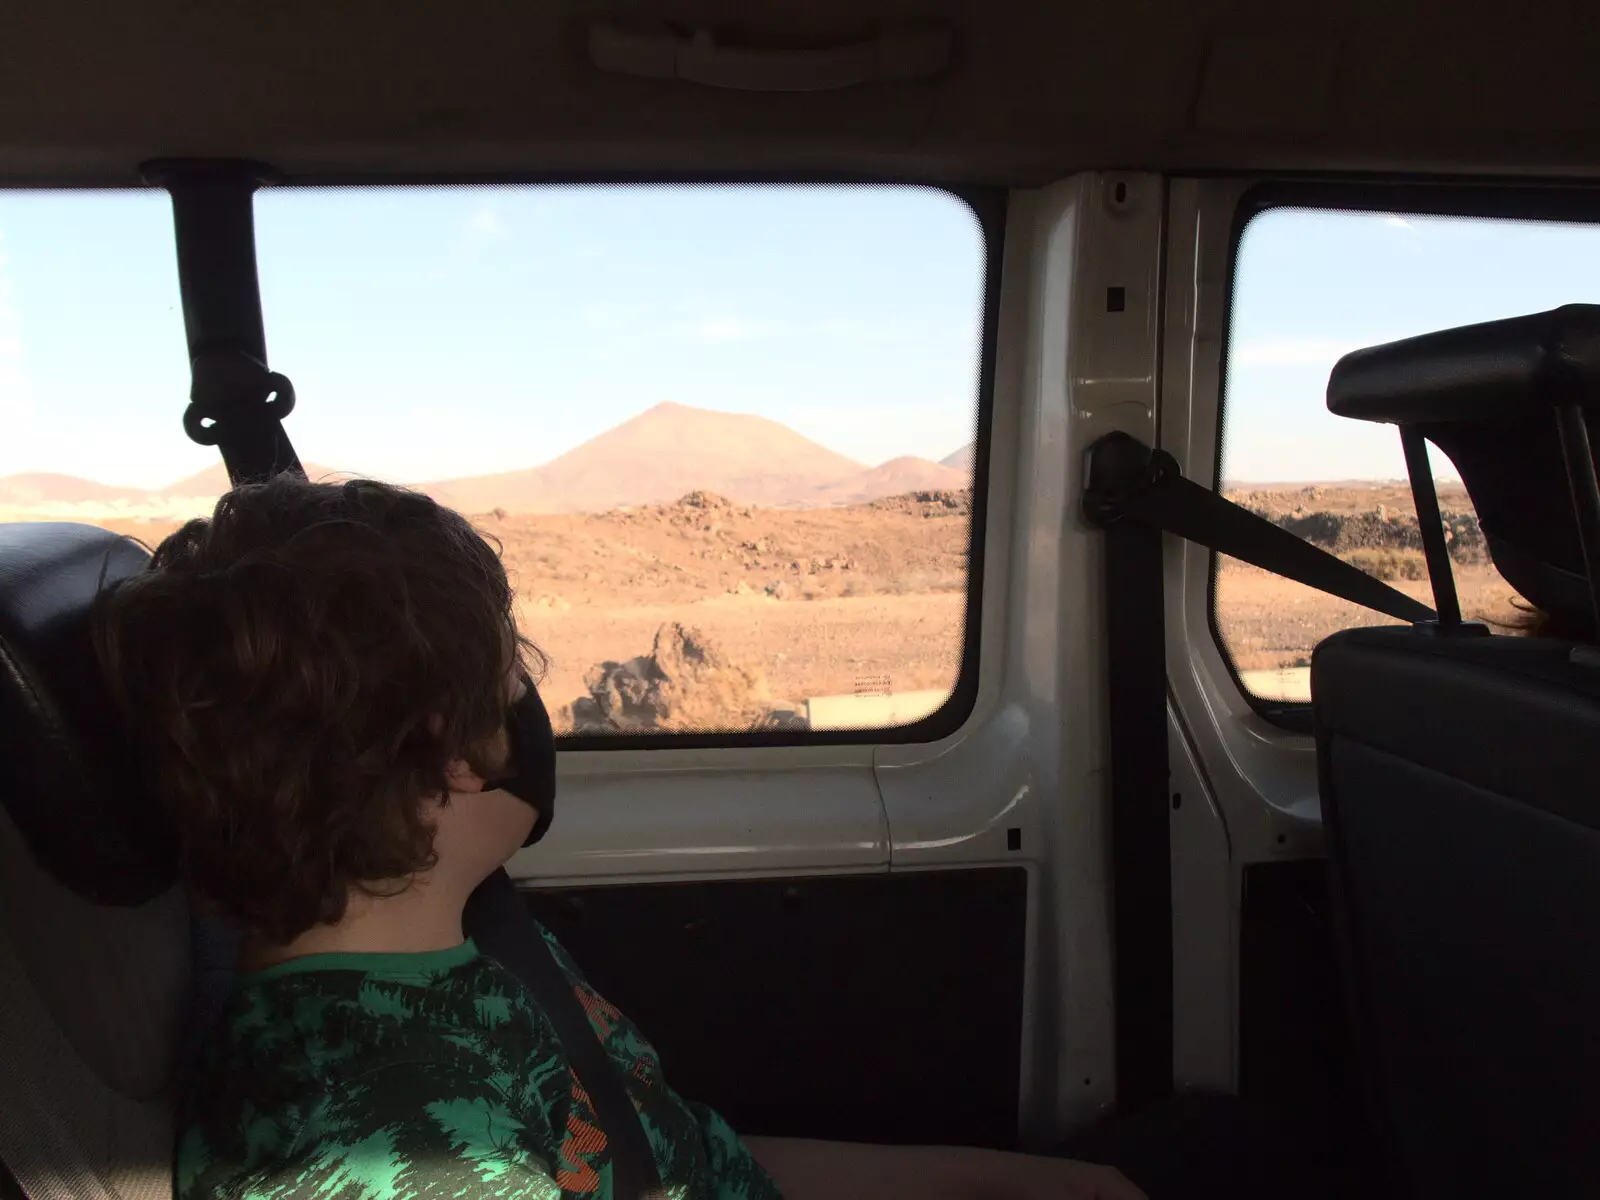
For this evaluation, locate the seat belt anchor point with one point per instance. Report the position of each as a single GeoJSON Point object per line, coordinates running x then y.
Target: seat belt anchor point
{"type": "Point", "coordinates": [1118, 468]}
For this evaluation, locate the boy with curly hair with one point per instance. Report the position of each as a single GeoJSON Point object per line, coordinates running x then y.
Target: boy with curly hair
{"type": "Point", "coordinates": [331, 688]}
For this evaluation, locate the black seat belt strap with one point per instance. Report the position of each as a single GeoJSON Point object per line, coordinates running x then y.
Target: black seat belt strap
{"type": "Point", "coordinates": [1136, 494]}
{"type": "Point", "coordinates": [1128, 481]}
{"type": "Point", "coordinates": [499, 922]}
{"type": "Point", "coordinates": [235, 402]}
{"type": "Point", "coordinates": [1141, 888]}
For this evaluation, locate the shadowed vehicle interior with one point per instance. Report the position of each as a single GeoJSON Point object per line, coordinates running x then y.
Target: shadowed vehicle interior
{"type": "Point", "coordinates": [1011, 688]}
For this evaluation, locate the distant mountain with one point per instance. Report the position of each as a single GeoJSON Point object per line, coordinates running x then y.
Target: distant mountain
{"type": "Point", "coordinates": [42, 487]}
{"type": "Point", "coordinates": [961, 460]}
{"type": "Point", "coordinates": [49, 492]}
{"type": "Point", "coordinates": [213, 481]}
{"type": "Point", "coordinates": [898, 475]}
{"type": "Point", "coordinates": [654, 458]}
{"type": "Point", "coordinates": [657, 457]}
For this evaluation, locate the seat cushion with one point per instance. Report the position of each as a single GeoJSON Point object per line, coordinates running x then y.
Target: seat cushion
{"type": "Point", "coordinates": [115, 980]}
{"type": "Point", "coordinates": [90, 1002]}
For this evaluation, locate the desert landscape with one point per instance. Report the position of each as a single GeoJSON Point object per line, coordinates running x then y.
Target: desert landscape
{"type": "Point", "coordinates": [1270, 625]}
{"type": "Point", "coordinates": [687, 570]}
{"type": "Point", "coordinates": [861, 600]}
{"type": "Point", "coordinates": [695, 570]}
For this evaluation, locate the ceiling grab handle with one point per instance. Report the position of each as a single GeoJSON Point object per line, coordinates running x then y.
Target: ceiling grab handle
{"type": "Point", "coordinates": [697, 58]}
{"type": "Point", "coordinates": [235, 402]}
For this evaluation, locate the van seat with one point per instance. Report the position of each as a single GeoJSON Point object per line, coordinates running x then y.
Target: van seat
{"type": "Point", "coordinates": [94, 935]}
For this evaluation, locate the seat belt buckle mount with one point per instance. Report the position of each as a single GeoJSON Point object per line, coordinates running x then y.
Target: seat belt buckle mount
{"type": "Point", "coordinates": [1117, 468]}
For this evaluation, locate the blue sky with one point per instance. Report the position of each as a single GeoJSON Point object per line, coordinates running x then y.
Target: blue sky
{"type": "Point", "coordinates": [439, 332]}
{"type": "Point", "coordinates": [442, 332]}
{"type": "Point", "coordinates": [1311, 286]}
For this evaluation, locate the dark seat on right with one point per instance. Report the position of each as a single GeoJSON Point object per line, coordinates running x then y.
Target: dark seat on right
{"type": "Point", "coordinates": [1461, 795]}
{"type": "Point", "coordinates": [1460, 780]}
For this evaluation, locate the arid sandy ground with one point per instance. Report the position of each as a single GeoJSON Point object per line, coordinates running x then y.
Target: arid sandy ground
{"type": "Point", "coordinates": [1268, 622]}
{"type": "Point", "coordinates": [871, 597]}
{"type": "Point", "coordinates": [804, 648]}
{"type": "Point", "coordinates": [819, 602]}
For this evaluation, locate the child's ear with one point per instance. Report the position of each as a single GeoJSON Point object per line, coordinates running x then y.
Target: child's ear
{"type": "Point", "coordinates": [460, 777]}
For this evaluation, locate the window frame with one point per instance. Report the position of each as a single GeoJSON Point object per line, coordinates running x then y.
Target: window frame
{"type": "Point", "coordinates": [988, 206]}
{"type": "Point", "coordinates": [1534, 200]}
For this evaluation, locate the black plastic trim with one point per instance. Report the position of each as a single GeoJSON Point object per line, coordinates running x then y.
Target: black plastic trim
{"type": "Point", "coordinates": [846, 1014]}
{"type": "Point", "coordinates": [1547, 200]}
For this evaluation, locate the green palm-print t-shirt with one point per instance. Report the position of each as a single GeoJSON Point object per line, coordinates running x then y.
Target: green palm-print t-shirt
{"type": "Point", "coordinates": [368, 1076]}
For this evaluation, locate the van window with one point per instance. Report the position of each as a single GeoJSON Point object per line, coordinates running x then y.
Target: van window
{"type": "Point", "coordinates": [723, 433]}
{"type": "Point", "coordinates": [1309, 286]}
{"type": "Point", "coordinates": [94, 375]}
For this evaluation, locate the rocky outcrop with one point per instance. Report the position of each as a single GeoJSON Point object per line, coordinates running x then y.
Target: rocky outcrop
{"type": "Point", "coordinates": [1377, 529]}
{"type": "Point", "coordinates": [685, 683]}
{"type": "Point", "coordinates": [928, 503]}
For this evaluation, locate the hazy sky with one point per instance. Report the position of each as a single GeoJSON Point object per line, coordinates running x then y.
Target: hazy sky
{"type": "Point", "coordinates": [1311, 286]}
{"type": "Point", "coordinates": [442, 332]}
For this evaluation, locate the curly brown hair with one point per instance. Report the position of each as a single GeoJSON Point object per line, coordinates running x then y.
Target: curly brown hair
{"type": "Point", "coordinates": [300, 668]}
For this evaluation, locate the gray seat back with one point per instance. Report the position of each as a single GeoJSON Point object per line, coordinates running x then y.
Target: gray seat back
{"type": "Point", "coordinates": [94, 936]}
{"type": "Point", "coordinates": [1458, 776]}
{"type": "Point", "coordinates": [1459, 794]}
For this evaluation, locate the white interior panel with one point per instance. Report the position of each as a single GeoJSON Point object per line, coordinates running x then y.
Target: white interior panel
{"type": "Point", "coordinates": [1265, 777]}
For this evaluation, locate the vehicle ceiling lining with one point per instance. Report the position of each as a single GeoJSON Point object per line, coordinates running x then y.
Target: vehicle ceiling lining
{"type": "Point", "coordinates": [90, 89]}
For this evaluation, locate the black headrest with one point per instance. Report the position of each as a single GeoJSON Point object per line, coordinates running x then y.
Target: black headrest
{"type": "Point", "coordinates": [1503, 368]}
{"type": "Point", "coordinates": [1486, 395]}
{"type": "Point", "coordinates": [69, 776]}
